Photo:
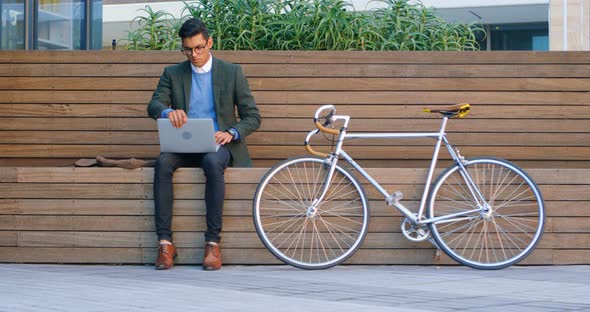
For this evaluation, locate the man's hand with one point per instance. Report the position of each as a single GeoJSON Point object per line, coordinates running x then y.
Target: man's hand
{"type": "Point", "coordinates": [222, 138]}
{"type": "Point", "coordinates": [177, 118]}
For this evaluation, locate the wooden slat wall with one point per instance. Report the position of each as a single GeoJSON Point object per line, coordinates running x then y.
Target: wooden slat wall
{"type": "Point", "coordinates": [105, 215]}
{"type": "Point", "coordinates": [529, 107]}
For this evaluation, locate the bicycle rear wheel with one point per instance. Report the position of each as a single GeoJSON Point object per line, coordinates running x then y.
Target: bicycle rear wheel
{"type": "Point", "coordinates": [310, 240]}
{"type": "Point", "coordinates": [505, 232]}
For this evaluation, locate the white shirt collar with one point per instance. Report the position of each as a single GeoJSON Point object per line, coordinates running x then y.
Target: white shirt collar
{"type": "Point", "coordinates": [206, 68]}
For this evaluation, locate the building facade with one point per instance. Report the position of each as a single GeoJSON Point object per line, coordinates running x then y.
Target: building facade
{"type": "Point", "coordinates": [50, 24]}
{"type": "Point", "coordinates": [561, 25]}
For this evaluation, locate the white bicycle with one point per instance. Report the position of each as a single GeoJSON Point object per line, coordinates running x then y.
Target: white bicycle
{"type": "Point", "coordinates": [312, 213]}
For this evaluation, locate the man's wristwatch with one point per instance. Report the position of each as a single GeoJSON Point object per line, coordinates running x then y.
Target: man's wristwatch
{"type": "Point", "coordinates": [233, 133]}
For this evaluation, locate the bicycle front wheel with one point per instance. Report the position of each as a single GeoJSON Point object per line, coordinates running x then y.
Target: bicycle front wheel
{"type": "Point", "coordinates": [504, 231]}
{"type": "Point", "coordinates": [298, 236]}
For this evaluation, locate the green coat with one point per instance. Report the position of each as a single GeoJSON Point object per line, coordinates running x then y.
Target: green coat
{"type": "Point", "coordinates": [230, 90]}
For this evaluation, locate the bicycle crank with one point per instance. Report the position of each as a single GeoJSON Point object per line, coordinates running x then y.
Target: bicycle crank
{"type": "Point", "coordinates": [414, 232]}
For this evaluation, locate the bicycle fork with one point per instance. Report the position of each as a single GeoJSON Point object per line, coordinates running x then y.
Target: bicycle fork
{"type": "Point", "coordinates": [313, 208]}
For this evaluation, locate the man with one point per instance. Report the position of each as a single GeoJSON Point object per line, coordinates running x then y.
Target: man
{"type": "Point", "coordinates": [201, 87]}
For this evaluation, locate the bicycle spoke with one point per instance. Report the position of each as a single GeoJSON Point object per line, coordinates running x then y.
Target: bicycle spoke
{"type": "Point", "coordinates": [280, 223]}
{"type": "Point", "coordinates": [341, 229]}
{"type": "Point", "coordinates": [520, 225]}
{"type": "Point", "coordinates": [343, 207]}
{"type": "Point", "coordinates": [508, 235]}
{"type": "Point", "coordinates": [336, 240]}
{"type": "Point", "coordinates": [286, 239]}
{"type": "Point", "coordinates": [285, 195]}
{"type": "Point", "coordinates": [292, 221]}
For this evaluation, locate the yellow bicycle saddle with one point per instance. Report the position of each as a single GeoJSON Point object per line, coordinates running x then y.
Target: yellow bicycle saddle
{"type": "Point", "coordinates": [455, 111]}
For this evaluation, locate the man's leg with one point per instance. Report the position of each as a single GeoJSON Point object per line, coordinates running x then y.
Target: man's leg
{"type": "Point", "coordinates": [166, 164]}
{"type": "Point", "coordinates": [214, 165]}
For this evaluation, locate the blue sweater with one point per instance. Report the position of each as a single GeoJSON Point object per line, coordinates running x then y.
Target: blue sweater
{"type": "Point", "coordinates": [202, 103]}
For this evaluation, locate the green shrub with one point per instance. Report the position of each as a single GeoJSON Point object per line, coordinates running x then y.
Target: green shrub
{"type": "Point", "coordinates": [307, 25]}
{"type": "Point", "coordinates": [157, 31]}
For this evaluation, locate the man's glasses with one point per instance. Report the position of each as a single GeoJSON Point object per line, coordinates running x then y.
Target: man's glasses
{"type": "Point", "coordinates": [197, 50]}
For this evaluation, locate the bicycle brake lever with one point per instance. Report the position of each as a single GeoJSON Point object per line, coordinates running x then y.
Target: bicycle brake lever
{"type": "Point", "coordinates": [328, 120]}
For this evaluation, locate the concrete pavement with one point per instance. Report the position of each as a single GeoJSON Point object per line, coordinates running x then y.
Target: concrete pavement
{"type": "Point", "coordinates": [27, 287]}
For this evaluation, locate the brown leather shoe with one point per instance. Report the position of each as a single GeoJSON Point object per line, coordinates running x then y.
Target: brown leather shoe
{"type": "Point", "coordinates": [212, 259]}
{"type": "Point", "coordinates": [166, 256]}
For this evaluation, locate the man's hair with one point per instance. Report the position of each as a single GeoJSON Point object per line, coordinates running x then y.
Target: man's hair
{"type": "Point", "coordinates": [193, 27]}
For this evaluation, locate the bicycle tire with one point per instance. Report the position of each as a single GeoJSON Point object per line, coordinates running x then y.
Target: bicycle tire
{"type": "Point", "coordinates": [323, 240]}
{"type": "Point", "coordinates": [500, 237]}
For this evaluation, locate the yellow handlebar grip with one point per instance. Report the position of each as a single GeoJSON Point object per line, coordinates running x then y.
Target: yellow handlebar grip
{"type": "Point", "coordinates": [314, 152]}
{"type": "Point", "coordinates": [326, 130]}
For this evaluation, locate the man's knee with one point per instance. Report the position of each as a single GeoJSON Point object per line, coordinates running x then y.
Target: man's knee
{"type": "Point", "coordinates": [212, 164]}
{"type": "Point", "coordinates": [165, 164]}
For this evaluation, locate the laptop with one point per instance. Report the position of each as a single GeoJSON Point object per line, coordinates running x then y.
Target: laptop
{"type": "Point", "coordinates": [195, 136]}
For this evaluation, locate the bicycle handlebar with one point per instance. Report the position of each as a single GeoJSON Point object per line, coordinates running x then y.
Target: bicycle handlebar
{"type": "Point", "coordinates": [322, 127]}
{"type": "Point", "coordinates": [308, 147]}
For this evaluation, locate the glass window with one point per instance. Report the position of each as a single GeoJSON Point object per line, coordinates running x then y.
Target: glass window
{"type": "Point", "coordinates": [541, 43]}
{"type": "Point", "coordinates": [60, 25]}
{"type": "Point", "coordinates": [50, 24]}
{"type": "Point", "coordinates": [12, 26]}
{"type": "Point", "coordinates": [96, 25]}
{"type": "Point", "coordinates": [533, 36]}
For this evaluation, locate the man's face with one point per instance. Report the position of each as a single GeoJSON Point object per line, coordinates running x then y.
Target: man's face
{"type": "Point", "coordinates": [196, 49]}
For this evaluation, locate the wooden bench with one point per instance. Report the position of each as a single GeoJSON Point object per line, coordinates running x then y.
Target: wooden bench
{"type": "Point", "coordinates": [529, 107]}
{"type": "Point", "coordinates": [105, 215]}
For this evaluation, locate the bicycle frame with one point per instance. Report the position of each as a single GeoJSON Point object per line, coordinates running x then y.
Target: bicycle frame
{"type": "Point", "coordinates": [393, 198]}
